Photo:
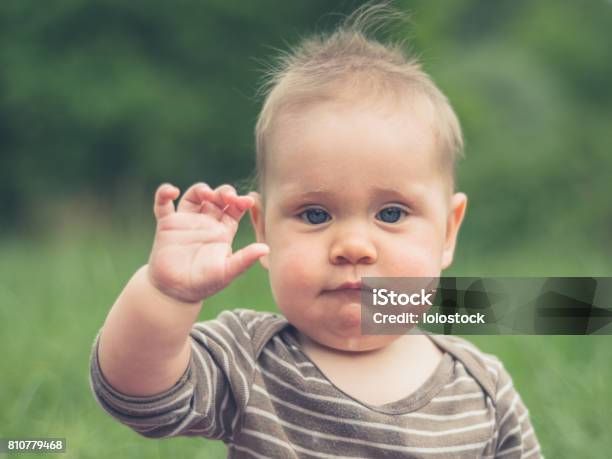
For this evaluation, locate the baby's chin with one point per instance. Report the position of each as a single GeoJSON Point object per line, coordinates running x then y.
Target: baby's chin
{"type": "Point", "coordinates": [341, 331]}
{"type": "Point", "coordinates": [363, 343]}
{"type": "Point", "coordinates": [354, 342]}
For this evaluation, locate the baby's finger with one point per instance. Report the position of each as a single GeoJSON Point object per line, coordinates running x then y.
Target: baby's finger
{"type": "Point", "coordinates": [163, 205]}
{"type": "Point", "coordinates": [233, 205]}
{"type": "Point", "coordinates": [194, 196]}
{"type": "Point", "coordinates": [236, 207]}
{"type": "Point", "coordinates": [242, 259]}
{"type": "Point", "coordinates": [211, 209]}
{"type": "Point", "coordinates": [244, 202]}
{"type": "Point", "coordinates": [226, 190]}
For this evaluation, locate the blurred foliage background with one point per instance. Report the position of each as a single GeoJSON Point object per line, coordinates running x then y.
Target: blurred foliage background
{"type": "Point", "coordinates": [102, 100]}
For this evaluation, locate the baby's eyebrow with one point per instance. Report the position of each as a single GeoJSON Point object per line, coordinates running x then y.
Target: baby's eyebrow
{"type": "Point", "coordinates": [291, 197]}
{"type": "Point", "coordinates": [408, 193]}
{"type": "Point", "coordinates": [393, 192]}
{"type": "Point", "coordinates": [310, 194]}
{"type": "Point", "coordinates": [386, 190]}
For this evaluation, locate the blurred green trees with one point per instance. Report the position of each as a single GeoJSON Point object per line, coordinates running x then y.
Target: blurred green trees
{"type": "Point", "coordinates": [106, 99]}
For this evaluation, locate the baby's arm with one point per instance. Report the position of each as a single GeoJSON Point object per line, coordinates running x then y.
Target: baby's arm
{"type": "Point", "coordinates": [144, 346]}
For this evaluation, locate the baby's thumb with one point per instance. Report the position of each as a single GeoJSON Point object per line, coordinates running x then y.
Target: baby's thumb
{"type": "Point", "coordinates": [245, 257]}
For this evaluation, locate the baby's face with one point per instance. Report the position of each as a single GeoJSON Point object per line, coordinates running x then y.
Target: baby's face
{"type": "Point", "coordinates": [351, 193]}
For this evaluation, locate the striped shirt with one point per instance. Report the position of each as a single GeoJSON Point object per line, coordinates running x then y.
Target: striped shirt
{"type": "Point", "coordinates": [250, 385]}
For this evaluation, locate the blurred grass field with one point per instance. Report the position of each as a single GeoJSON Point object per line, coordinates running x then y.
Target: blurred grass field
{"type": "Point", "coordinates": [55, 294]}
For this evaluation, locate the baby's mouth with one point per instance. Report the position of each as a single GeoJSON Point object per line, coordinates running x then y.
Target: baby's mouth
{"type": "Point", "coordinates": [353, 292]}
{"type": "Point", "coordinates": [357, 286]}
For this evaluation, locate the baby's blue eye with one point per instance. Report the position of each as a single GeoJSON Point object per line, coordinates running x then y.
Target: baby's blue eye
{"type": "Point", "coordinates": [315, 216]}
{"type": "Point", "coordinates": [391, 214]}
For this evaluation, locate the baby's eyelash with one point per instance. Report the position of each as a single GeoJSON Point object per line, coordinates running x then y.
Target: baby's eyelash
{"type": "Point", "coordinates": [403, 213]}
{"type": "Point", "coordinates": [318, 215]}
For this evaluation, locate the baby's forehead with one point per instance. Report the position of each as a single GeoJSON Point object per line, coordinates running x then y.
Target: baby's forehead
{"type": "Point", "coordinates": [343, 121]}
{"type": "Point", "coordinates": [335, 138]}
{"type": "Point", "coordinates": [331, 135]}
{"type": "Point", "coordinates": [391, 105]}
{"type": "Point", "coordinates": [346, 182]}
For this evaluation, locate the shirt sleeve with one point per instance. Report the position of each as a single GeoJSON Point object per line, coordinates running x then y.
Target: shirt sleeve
{"type": "Point", "coordinates": [209, 398]}
{"type": "Point", "coordinates": [515, 435]}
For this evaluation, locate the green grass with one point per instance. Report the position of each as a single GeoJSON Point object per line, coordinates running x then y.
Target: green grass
{"type": "Point", "coordinates": [55, 294]}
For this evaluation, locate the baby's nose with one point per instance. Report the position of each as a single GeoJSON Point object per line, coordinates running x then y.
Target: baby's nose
{"type": "Point", "coordinates": [353, 249]}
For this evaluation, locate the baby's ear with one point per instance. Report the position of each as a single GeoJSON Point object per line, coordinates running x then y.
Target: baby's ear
{"type": "Point", "coordinates": [257, 220]}
{"type": "Point", "coordinates": [458, 204]}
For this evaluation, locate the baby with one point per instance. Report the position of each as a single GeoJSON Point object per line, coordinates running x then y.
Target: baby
{"type": "Point", "coordinates": [356, 151]}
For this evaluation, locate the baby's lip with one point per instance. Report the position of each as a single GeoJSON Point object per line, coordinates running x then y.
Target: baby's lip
{"type": "Point", "coordinates": [352, 285]}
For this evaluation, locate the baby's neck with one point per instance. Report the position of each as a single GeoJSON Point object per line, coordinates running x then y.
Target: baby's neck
{"type": "Point", "coordinates": [401, 367]}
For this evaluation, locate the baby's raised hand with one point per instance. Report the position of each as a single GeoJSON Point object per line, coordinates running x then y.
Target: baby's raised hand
{"type": "Point", "coordinates": [192, 254]}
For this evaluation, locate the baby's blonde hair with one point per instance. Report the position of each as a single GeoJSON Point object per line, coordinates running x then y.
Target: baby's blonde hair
{"type": "Point", "coordinates": [324, 67]}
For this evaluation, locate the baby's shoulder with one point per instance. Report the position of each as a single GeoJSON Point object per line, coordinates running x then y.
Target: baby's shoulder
{"type": "Point", "coordinates": [457, 343]}
{"type": "Point", "coordinates": [487, 369]}
{"type": "Point", "coordinates": [254, 320]}
{"type": "Point", "coordinates": [258, 326]}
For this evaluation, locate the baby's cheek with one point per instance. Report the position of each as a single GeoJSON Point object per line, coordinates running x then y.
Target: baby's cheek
{"type": "Point", "coordinates": [294, 268]}
{"type": "Point", "coordinates": [294, 284]}
{"type": "Point", "coordinates": [414, 261]}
